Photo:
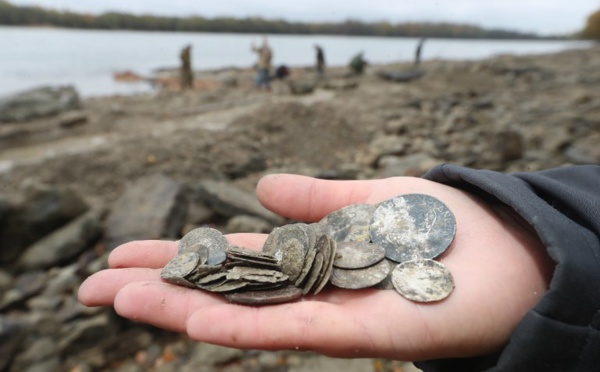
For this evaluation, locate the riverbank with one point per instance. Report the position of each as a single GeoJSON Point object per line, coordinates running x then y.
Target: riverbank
{"type": "Point", "coordinates": [508, 113]}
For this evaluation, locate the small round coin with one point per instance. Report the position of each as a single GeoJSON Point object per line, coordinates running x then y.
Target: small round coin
{"type": "Point", "coordinates": [211, 238]}
{"type": "Point", "coordinates": [180, 268]}
{"type": "Point", "coordinates": [360, 278]}
{"type": "Point", "coordinates": [423, 280]}
{"type": "Point", "coordinates": [413, 226]}
{"type": "Point", "coordinates": [349, 224]}
{"type": "Point", "coordinates": [357, 255]}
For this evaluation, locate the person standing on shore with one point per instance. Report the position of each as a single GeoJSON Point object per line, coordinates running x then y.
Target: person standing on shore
{"type": "Point", "coordinates": [265, 55]}
{"type": "Point", "coordinates": [418, 52]}
{"type": "Point", "coordinates": [320, 62]}
{"type": "Point", "coordinates": [187, 77]}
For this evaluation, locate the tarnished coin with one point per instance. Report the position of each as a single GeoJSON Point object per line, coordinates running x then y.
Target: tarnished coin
{"type": "Point", "coordinates": [328, 258]}
{"type": "Point", "coordinates": [204, 270]}
{"type": "Point", "coordinates": [360, 278]}
{"type": "Point", "coordinates": [314, 273]}
{"type": "Point", "coordinates": [387, 282]}
{"type": "Point", "coordinates": [256, 275]}
{"type": "Point", "coordinates": [423, 280]}
{"type": "Point", "coordinates": [349, 224]}
{"type": "Point", "coordinates": [357, 255]}
{"type": "Point", "coordinates": [227, 286]}
{"type": "Point", "coordinates": [180, 268]}
{"type": "Point", "coordinates": [268, 297]}
{"type": "Point", "coordinates": [413, 226]}
{"type": "Point", "coordinates": [211, 238]}
{"type": "Point", "coordinates": [308, 263]}
{"type": "Point", "coordinates": [289, 245]}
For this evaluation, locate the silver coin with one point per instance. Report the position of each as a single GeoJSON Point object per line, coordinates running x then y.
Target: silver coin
{"type": "Point", "coordinates": [387, 282]}
{"type": "Point", "coordinates": [423, 280]}
{"type": "Point", "coordinates": [211, 238]}
{"type": "Point", "coordinates": [252, 274]}
{"type": "Point", "coordinates": [349, 224]}
{"type": "Point", "coordinates": [308, 263]}
{"type": "Point", "coordinates": [289, 245]}
{"type": "Point", "coordinates": [314, 273]}
{"type": "Point", "coordinates": [360, 278]}
{"type": "Point", "coordinates": [329, 256]}
{"type": "Point", "coordinates": [357, 255]}
{"type": "Point", "coordinates": [413, 226]}
{"type": "Point", "coordinates": [268, 297]}
{"type": "Point", "coordinates": [180, 268]}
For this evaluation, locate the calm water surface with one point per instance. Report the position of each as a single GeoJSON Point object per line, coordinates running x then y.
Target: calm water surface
{"type": "Point", "coordinates": [31, 57]}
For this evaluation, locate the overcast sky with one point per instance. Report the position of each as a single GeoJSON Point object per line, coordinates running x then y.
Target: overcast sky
{"type": "Point", "coordinates": [539, 16]}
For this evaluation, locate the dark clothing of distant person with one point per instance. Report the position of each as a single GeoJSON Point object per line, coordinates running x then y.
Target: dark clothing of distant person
{"type": "Point", "coordinates": [320, 62]}
{"type": "Point", "coordinates": [562, 206]}
{"type": "Point", "coordinates": [282, 72]}
{"type": "Point", "coordinates": [418, 52]}
{"type": "Point", "coordinates": [357, 64]}
{"type": "Point", "coordinates": [187, 77]}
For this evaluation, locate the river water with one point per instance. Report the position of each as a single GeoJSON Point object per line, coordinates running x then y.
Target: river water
{"type": "Point", "coordinates": [31, 57]}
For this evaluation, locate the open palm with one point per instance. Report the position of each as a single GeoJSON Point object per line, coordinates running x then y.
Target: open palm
{"type": "Point", "coordinates": [500, 271]}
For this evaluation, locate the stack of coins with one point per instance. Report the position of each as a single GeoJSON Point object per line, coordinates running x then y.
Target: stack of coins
{"type": "Point", "coordinates": [388, 245]}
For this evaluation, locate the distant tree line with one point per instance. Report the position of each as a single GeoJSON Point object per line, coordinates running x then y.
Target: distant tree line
{"type": "Point", "coordinates": [592, 28]}
{"type": "Point", "coordinates": [37, 16]}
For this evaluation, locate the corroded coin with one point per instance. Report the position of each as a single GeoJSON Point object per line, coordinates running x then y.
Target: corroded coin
{"type": "Point", "coordinates": [349, 224]}
{"type": "Point", "coordinates": [387, 282]}
{"type": "Point", "coordinates": [314, 273]}
{"type": "Point", "coordinates": [267, 297]}
{"type": "Point", "coordinates": [357, 255]}
{"type": "Point", "coordinates": [180, 268]}
{"type": "Point", "coordinates": [308, 263]}
{"type": "Point", "coordinates": [329, 256]}
{"type": "Point", "coordinates": [211, 238]}
{"type": "Point", "coordinates": [423, 280]}
{"type": "Point", "coordinates": [289, 245]}
{"type": "Point", "coordinates": [360, 278]}
{"type": "Point", "coordinates": [413, 226]}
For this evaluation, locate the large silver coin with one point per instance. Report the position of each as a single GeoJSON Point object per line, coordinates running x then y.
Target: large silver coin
{"type": "Point", "coordinates": [211, 238]}
{"type": "Point", "coordinates": [178, 270]}
{"type": "Point", "coordinates": [360, 278]}
{"type": "Point", "coordinates": [349, 224]}
{"type": "Point", "coordinates": [413, 226]}
{"type": "Point", "coordinates": [423, 280]}
{"type": "Point", "coordinates": [357, 255]}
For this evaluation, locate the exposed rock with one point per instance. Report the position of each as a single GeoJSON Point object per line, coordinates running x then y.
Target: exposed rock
{"type": "Point", "coordinates": [508, 145]}
{"type": "Point", "coordinates": [585, 150]}
{"type": "Point", "coordinates": [43, 210]}
{"type": "Point", "coordinates": [38, 103]}
{"type": "Point", "coordinates": [301, 87]}
{"type": "Point", "coordinates": [36, 355]}
{"type": "Point", "coordinates": [212, 355]}
{"type": "Point", "coordinates": [401, 76]}
{"type": "Point", "coordinates": [86, 334]}
{"type": "Point", "coordinates": [63, 244]}
{"type": "Point", "coordinates": [153, 207]}
{"type": "Point", "coordinates": [248, 224]}
{"type": "Point", "coordinates": [230, 201]}
{"type": "Point", "coordinates": [25, 286]}
{"type": "Point", "coordinates": [322, 363]}
{"type": "Point", "coordinates": [410, 165]}
{"type": "Point", "coordinates": [72, 119]}
{"type": "Point", "coordinates": [12, 334]}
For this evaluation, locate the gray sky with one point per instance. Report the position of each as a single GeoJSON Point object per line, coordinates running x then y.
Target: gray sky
{"type": "Point", "coordinates": [539, 16]}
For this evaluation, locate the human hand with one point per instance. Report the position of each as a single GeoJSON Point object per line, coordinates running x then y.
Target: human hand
{"type": "Point", "coordinates": [500, 271]}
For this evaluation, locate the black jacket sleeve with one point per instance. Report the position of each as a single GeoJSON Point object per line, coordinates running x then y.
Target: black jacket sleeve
{"type": "Point", "coordinates": [562, 332]}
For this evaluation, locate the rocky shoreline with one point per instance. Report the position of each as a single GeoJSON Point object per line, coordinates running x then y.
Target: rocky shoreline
{"type": "Point", "coordinates": [107, 170]}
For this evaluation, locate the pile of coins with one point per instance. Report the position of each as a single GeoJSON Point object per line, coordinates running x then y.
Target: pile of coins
{"type": "Point", "coordinates": [392, 244]}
